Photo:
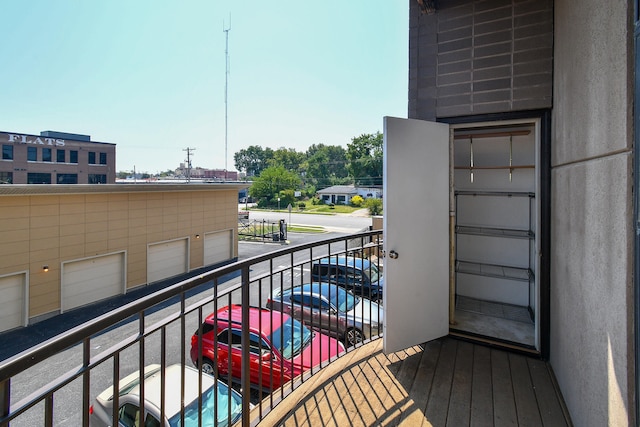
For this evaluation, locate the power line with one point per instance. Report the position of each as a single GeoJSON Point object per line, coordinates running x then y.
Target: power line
{"type": "Point", "coordinates": [189, 151]}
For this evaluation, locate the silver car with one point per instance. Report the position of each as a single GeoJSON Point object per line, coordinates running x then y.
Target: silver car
{"type": "Point", "coordinates": [331, 309]}
{"type": "Point", "coordinates": [229, 401]}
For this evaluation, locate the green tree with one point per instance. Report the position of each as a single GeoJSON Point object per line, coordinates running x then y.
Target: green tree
{"type": "Point", "coordinates": [253, 159]}
{"type": "Point", "coordinates": [365, 159]}
{"type": "Point", "coordinates": [326, 165]}
{"type": "Point", "coordinates": [271, 182]}
{"type": "Point", "coordinates": [290, 159]}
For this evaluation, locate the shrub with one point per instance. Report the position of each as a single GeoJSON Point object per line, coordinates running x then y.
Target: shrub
{"type": "Point", "coordinates": [374, 206]}
{"type": "Point", "coordinates": [302, 205]}
{"type": "Point", "coordinates": [357, 201]}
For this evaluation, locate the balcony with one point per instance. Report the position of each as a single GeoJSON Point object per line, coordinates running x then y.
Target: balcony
{"type": "Point", "coordinates": [443, 382]}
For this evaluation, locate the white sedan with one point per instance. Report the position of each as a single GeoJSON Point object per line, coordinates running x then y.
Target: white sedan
{"type": "Point", "coordinates": [227, 400]}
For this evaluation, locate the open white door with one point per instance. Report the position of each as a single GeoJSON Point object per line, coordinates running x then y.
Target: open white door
{"type": "Point", "coordinates": [416, 232]}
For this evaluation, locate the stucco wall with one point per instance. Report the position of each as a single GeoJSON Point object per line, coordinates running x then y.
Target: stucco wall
{"type": "Point", "coordinates": [592, 239]}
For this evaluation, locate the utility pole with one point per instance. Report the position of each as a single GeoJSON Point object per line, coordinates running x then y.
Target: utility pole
{"type": "Point", "coordinates": [189, 151]}
{"type": "Point", "coordinates": [226, 93]}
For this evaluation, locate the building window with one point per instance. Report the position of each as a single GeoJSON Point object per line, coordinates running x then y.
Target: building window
{"type": "Point", "coordinates": [97, 178]}
{"type": "Point", "coordinates": [6, 177]}
{"type": "Point", "coordinates": [32, 154]}
{"type": "Point", "coordinates": [92, 158]}
{"type": "Point", "coordinates": [38, 178]}
{"type": "Point", "coordinates": [46, 154]}
{"type": "Point", "coordinates": [103, 158]}
{"type": "Point", "coordinates": [60, 156]}
{"type": "Point", "coordinates": [73, 156]}
{"type": "Point", "coordinates": [7, 152]}
{"type": "Point", "coordinates": [67, 178]}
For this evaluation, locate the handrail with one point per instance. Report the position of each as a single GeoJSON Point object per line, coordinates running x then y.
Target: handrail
{"type": "Point", "coordinates": [83, 334]}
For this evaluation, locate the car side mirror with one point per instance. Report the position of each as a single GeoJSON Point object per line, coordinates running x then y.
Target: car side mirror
{"type": "Point", "coordinates": [266, 355]}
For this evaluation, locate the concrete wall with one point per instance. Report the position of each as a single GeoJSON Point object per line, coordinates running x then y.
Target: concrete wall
{"type": "Point", "coordinates": [592, 337]}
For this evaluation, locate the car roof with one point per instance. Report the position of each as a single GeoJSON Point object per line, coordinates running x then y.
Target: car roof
{"type": "Point", "coordinates": [260, 319]}
{"type": "Point", "coordinates": [348, 261]}
{"type": "Point", "coordinates": [322, 288]}
{"type": "Point", "coordinates": [173, 375]}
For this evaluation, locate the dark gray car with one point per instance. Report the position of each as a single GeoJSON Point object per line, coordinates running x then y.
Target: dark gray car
{"type": "Point", "coordinates": [331, 309]}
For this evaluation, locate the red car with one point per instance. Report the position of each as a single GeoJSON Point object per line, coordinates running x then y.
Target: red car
{"type": "Point", "coordinates": [281, 347]}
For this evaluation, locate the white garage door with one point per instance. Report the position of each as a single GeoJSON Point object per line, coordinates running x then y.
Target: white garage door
{"type": "Point", "coordinates": [167, 259]}
{"type": "Point", "coordinates": [12, 304]}
{"type": "Point", "coordinates": [90, 280]}
{"type": "Point", "coordinates": [218, 247]}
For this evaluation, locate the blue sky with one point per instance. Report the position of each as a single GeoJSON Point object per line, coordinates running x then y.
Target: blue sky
{"type": "Point", "coordinates": [149, 75]}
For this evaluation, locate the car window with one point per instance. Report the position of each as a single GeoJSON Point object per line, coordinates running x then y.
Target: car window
{"type": "Point", "coordinates": [233, 339]}
{"type": "Point", "coordinates": [129, 415]}
{"type": "Point", "coordinates": [319, 304]}
{"type": "Point", "coordinates": [150, 421]}
{"type": "Point", "coordinates": [298, 299]}
{"type": "Point", "coordinates": [257, 345]}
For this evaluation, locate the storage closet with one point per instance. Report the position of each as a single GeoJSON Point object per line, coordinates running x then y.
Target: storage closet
{"type": "Point", "coordinates": [494, 243]}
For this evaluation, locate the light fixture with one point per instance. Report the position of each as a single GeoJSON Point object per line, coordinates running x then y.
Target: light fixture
{"type": "Point", "coordinates": [45, 268]}
{"type": "Point", "coordinates": [197, 236]}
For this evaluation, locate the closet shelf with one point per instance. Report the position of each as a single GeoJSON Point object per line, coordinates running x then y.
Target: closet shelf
{"type": "Point", "coordinates": [492, 134]}
{"type": "Point", "coordinates": [472, 168]}
{"type": "Point", "coordinates": [495, 193]}
{"type": "Point", "coordinates": [492, 270]}
{"type": "Point", "coordinates": [494, 232]}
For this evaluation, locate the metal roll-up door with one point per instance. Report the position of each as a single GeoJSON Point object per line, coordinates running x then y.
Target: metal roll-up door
{"type": "Point", "coordinates": [218, 247]}
{"type": "Point", "coordinates": [167, 259]}
{"type": "Point", "coordinates": [89, 280]}
{"type": "Point", "coordinates": [13, 302]}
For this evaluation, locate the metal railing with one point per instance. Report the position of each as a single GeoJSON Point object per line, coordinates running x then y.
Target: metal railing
{"type": "Point", "coordinates": [56, 382]}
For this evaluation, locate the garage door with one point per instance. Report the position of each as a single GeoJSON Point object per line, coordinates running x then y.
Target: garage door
{"type": "Point", "coordinates": [13, 304]}
{"type": "Point", "coordinates": [89, 280]}
{"type": "Point", "coordinates": [218, 247]}
{"type": "Point", "coordinates": [167, 259]}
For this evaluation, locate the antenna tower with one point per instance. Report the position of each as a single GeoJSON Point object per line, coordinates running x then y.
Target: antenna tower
{"type": "Point", "coordinates": [226, 93]}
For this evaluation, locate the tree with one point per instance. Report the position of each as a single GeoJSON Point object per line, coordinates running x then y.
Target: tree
{"type": "Point", "coordinates": [272, 181]}
{"type": "Point", "coordinates": [252, 159]}
{"type": "Point", "coordinates": [290, 159]}
{"type": "Point", "coordinates": [365, 159]}
{"type": "Point", "coordinates": [326, 165]}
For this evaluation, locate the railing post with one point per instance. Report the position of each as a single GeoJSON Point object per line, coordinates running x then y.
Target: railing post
{"type": "Point", "coordinates": [245, 377]}
{"type": "Point", "coordinates": [5, 398]}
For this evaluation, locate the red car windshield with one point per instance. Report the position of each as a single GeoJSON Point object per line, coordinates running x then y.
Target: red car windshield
{"type": "Point", "coordinates": [290, 338]}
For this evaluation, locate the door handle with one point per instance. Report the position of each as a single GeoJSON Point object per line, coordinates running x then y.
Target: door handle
{"type": "Point", "coordinates": [393, 254]}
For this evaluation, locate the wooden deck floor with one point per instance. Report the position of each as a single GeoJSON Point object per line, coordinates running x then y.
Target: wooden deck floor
{"type": "Point", "coordinates": [447, 383]}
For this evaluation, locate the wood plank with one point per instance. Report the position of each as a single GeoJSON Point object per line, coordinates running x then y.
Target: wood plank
{"type": "Point", "coordinates": [524, 396]}
{"type": "Point", "coordinates": [460, 401]}
{"type": "Point", "coordinates": [445, 382]}
{"type": "Point", "coordinates": [504, 408]}
{"type": "Point", "coordinates": [436, 411]}
{"type": "Point", "coordinates": [422, 384]}
{"type": "Point", "coordinates": [482, 388]}
{"type": "Point", "coordinates": [549, 403]}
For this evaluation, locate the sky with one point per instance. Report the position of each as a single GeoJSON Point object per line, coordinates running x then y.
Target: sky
{"type": "Point", "coordinates": [149, 75]}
